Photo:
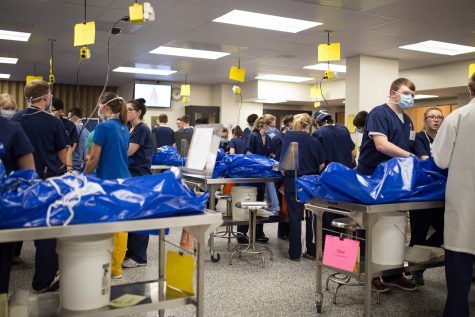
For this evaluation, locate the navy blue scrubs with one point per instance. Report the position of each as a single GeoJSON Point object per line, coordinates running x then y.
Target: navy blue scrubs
{"type": "Point", "coordinates": [382, 119]}
{"type": "Point", "coordinates": [256, 146]}
{"type": "Point", "coordinates": [16, 145]}
{"type": "Point", "coordinates": [164, 136]}
{"type": "Point", "coordinates": [247, 131]}
{"type": "Point", "coordinates": [337, 144]}
{"type": "Point", "coordinates": [190, 129]}
{"type": "Point", "coordinates": [421, 221]}
{"type": "Point", "coordinates": [238, 145]}
{"type": "Point", "coordinates": [71, 131]}
{"type": "Point", "coordinates": [311, 156]}
{"type": "Point", "coordinates": [48, 136]}
{"type": "Point", "coordinates": [276, 145]}
{"type": "Point", "coordinates": [276, 149]}
{"type": "Point", "coordinates": [139, 165]}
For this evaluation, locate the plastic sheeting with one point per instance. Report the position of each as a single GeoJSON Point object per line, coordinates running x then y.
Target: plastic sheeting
{"type": "Point", "coordinates": [245, 166]}
{"type": "Point", "coordinates": [168, 155]}
{"type": "Point", "coordinates": [397, 180]}
{"type": "Point", "coordinates": [79, 199]}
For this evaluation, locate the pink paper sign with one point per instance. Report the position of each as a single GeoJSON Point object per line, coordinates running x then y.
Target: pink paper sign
{"type": "Point", "coordinates": [341, 254]}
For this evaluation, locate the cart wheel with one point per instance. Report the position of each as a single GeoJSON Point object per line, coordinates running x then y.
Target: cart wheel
{"type": "Point", "coordinates": [319, 308]}
{"type": "Point", "coordinates": [215, 258]}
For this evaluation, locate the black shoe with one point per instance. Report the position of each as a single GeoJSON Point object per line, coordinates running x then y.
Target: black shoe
{"type": "Point", "coordinates": [308, 256]}
{"type": "Point", "coordinates": [402, 283]}
{"type": "Point", "coordinates": [295, 260]}
{"type": "Point", "coordinates": [283, 237]}
{"type": "Point", "coordinates": [53, 286]}
{"type": "Point", "coordinates": [262, 238]}
{"type": "Point", "coordinates": [242, 239]}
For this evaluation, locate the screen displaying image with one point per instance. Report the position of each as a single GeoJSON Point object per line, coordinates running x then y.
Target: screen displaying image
{"type": "Point", "coordinates": [158, 96]}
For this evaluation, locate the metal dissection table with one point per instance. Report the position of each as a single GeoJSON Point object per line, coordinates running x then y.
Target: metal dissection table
{"type": "Point", "coordinates": [200, 226]}
{"type": "Point", "coordinates": [212, 185]}
{"type": "Point", "coordinates": [368, 215]}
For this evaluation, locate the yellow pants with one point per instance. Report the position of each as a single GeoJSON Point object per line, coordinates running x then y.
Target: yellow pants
{"type": "Point", "coordinates": [118, 255]}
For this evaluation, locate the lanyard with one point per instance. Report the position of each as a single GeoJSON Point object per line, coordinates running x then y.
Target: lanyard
{"type": "Point", "coordinates": [430, 143]}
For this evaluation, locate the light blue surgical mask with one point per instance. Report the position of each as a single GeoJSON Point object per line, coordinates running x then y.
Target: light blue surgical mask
{"type": "Point", "coordinates": [406, 101]}
{"type": "Point", "coordinates": [272, 132]}
{"type": "Point", "coordinates": [8, 114]}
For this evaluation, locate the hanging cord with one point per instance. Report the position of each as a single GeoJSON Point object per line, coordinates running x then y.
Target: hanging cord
{"type": "Point", "coordinates": [321, 91]}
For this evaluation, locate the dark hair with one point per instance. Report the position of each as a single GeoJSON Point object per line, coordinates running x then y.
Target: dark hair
{"type": "Point", "coordinates": [185, 119]}
{"type": "Point", "coordinates": [36, 89]}
{"type": "Point", "coordinates": [471, 84]}
{"type": "Point", "coordinates": [237, 132]}
{"type": "Point", "coordinates": [202, 120]}
{"type": "Point", "coordinates": [327, 120]}
{"type": "Point", "coordinates": [288, 119]}
{"type": "Point", "coordinates": [360, 119]}
{"type": "Point", "coordinates": [225, 130]}
{"type": "Point", "coordinates": [402, 82]}
{"type": "Point", "coordinates": [57, 103]}
{"type": "Point", "coordinates": [77, 112]}
{"type": "Point", "coordinates": [117, 106]}
{"type": "Point", "coordinates": [163, 118]}
{"type": "Point", "coordinates": [251, 119]}
{"type": "Point", "coordinates": [139, 105]}
{"type": "Point", "coordinates": [260, 122]}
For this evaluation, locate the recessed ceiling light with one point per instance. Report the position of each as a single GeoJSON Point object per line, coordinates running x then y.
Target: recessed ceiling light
{"type": "Point", "coordinates": [324, 66]}
{"type": "Point", "coordinates": [14, 36]}
{"type": "Point", "coordinates": [269, 101]}
{"type": "Point", "coordinates": [292, 79]}
{"type": "Point", "coordinates": [8, 60]}
{"type": "Point", "coordinates": [437, 47]}
{"type": "Point", "coordinates": [425, 96]}
{"type": "Point", "coordinates": [6, 76]}
{"type": "Point", "coordinates": [266, 21]}
{"type": "Point", "coordinates": [148, 71]}
{"type": "Point", "coordinates": [187, 52]}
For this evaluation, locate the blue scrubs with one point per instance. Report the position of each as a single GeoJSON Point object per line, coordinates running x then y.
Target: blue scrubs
{"type": "Point", "coordinates": [311, 156]}
{"type": "Point", "coordinates": [256, 146]}
{"type": "Point", "coordinates": [140, 165]}
{"type": "Point", "coordinates": [422, 145]}
{"type": "Point", "coordinates": [16, 145]}
{"type": "Point", "coordinates": [47, 135]}
{"type": "Point", "coordinates": [384, 120]}
{"type": "Point", "coordinates": [337, 144]}
{"type": "Point", "coordinates": [276, 145]}
{"type": "Point", "coordinates": [164, 136]}
{"type": "Point", "coordinates": [113, 137]}
{"type": "Point", "coordinates": [190, 129]}
{"type": "Point", "coordinates": [73, 136]}
{"type": "Point", "coordinates": [247, 131]}
{"type": "Point", "coordinates": [276, 149]}
{"type": "Point", "coordinates": [141, 161]}
{"type": "Point", "coordinates": [79, 155]}
{"type": "Point", "coordinates": [238, 145]}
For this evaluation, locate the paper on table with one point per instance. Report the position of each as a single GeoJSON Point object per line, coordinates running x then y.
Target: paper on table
{"type": "Point", "coordinates": [340, 254]}
{"type": "Point", "coordinates": [126, 300]}
{"type": "Point", "coordinates": [200, 148]}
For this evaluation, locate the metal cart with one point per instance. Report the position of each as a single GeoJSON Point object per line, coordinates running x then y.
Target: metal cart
{"type": "Point", "coordinates": [200, 226]}
{"type": "Point", "coordinates": [366, 270]}
{"type": "Point", "coordinates": [212, 185]}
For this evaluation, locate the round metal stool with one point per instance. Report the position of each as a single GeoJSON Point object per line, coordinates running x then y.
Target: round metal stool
{"type": "Point", "coordinates": [228, 233]}
{"type": "Point", "coordinates": [350, 228]}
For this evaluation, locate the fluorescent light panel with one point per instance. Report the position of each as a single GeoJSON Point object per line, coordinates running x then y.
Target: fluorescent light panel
{"type": "Point", "coordinates": [292, 79]}
{"type": "Point", "coordinates": [437, 47]}
{"type": "Point", "coordinates": [148, 71]}
{"type": "Point", "coordinates": [6, 76]}
{"type": "Point", "coordinates": [266, 21]}
{"type": "Point", "coordinates": [416, 97]}
{"type": "Point", "coordinates": [8, 60]}
{"type": "Point", "coordinates": [269, 100]}
{"type": "Point", "coordinates": [14, 36]}
{"type": "Point", "coordinates": [187, 52]}
{"type": "Point", "coordinates": [324, 66]}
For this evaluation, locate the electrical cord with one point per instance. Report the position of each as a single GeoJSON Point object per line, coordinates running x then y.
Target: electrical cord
{"type": "Point", "coordinates": [321, 91]}
{"type": "Point", "coordinates": [239, 112]}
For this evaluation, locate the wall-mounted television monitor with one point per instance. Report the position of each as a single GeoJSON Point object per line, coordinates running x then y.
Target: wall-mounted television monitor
{"type": "Point", "coordinates": [91, 124]}
{"type": "Point", "coordinates": [155, 95]}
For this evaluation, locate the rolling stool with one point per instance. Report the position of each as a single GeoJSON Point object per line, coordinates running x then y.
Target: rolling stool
{"type": "Point", "coordinates": [228, 233]}
{"type": "Point", "coordinates": [251, 248]}
{"type": "Point", "coordinates": [350, 228]}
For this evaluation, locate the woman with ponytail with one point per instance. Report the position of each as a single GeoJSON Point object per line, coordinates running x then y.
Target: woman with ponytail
{"type": "Point", "coordinates": [140, 164]}
{"type": "Point", "coordinates": [311, 161]}
{"type": "Point", "coordinates": [109, 155]}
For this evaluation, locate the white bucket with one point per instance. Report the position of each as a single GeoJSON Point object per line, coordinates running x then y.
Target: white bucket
{"type": "Point", "coordinates": [389, 239]}
{"type": "Point", "coordinates": [85, 268]}
{"type": "Point", "coordinates": [242, 193]}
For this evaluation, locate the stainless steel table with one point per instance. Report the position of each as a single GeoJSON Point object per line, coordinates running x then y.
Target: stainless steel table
{"type": "Point", "coordinates": [366, 270]}
{"type": "Point", "coordinates": [200, 226]}
{"type": "Point", "coordinates": [212, 185]}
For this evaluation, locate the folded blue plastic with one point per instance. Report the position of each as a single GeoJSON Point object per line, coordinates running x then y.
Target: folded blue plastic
{"type": "Point", "coordinates": [168, 155]}
{"type": "Point", "coordinates": [79, 199]}
{"type": "Point", "coordinates": [245, 166]}
{"type": "Point", "coordinates": [397, 180]}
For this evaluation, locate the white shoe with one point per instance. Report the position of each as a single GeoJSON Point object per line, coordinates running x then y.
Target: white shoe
{"type": "Point", "coordinates": [129, 263]}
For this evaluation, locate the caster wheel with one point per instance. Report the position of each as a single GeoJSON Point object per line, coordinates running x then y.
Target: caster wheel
{"type": "Point", "coordinates": [215, 258]}
{"type": "Point", "coordinates": [319, 308]}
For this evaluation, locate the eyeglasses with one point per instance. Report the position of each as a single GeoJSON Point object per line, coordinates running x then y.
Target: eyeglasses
{"type": "Point", "coordinates": [131, 109]}
{"type": "Point", "coordinates": [440, 118]}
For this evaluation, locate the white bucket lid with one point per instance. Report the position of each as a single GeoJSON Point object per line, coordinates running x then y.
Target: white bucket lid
{"type": "Point", "coordinates": [91, 243]}
{"type": "Point", "coordinates": [245, 189]}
